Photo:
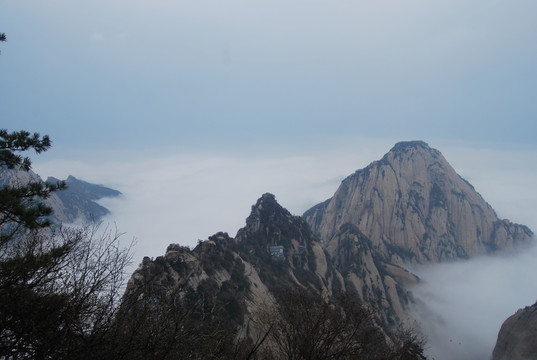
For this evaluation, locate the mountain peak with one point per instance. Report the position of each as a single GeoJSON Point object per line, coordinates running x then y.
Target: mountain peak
{"type": "Point", "coordinates": [270, 223]}
{"type": "Point", "coordinates": [411, 156]}
{"type": "Point", "coordinates": [409, 149]}
{"type": "Point", "coordinates": [266, 198]}
{"type": "Point", "coordinates": [413, 144]}
{"type": "Point", "coordinates": [265, 211]}
{"type": "Point", "coordinates": [413, 204]}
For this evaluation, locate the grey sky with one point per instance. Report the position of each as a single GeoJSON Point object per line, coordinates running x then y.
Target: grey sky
{"type": "Point", "coordinates": [128, 74]}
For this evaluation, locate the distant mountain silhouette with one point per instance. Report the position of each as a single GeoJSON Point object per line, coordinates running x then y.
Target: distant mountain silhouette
{"type": "Point", "coordinates": [77, 202]}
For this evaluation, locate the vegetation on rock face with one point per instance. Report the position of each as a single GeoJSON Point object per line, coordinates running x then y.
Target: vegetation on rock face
{"type": "Point", "coordinates": [269, 224]}
{"type": "Point", "coordinates": [303, 325]}
{"type": "Point", "coordinates": [186, 314]}
{"type": "Point", "coordinates": [212, 292]}
{"type": "Point", "coordinates": [177, 323]}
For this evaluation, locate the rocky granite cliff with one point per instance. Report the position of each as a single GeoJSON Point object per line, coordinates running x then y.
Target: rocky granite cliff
{"type": "Point", "coordinates": [408, 207]}
{"type": "Point", "coordinates": [273, 254]}
{"type": "Point", "coordinates": [415, 208]}
{"type": "Point", "coordinates": [517, 339]}
{"type": "Point", "coordinates": [275, 249]}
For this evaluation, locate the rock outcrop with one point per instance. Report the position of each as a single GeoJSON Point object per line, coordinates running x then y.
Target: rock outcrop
{"type": "Point", "coordinates": [278, 250]}
{"type": "Point", "coordinates": [274, 263]}
{"type": "Point", "coordinates": [275, 249]}
{"type": "Point", "coordinates": [415, 208]}
{"type": "Point", "coordinates": [517, 339]}
{"type": "Point", "coordinates": [410, 206]}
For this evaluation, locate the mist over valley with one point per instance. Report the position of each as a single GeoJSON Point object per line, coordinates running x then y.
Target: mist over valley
{"type": "Point", "coordinates": [460, 304]}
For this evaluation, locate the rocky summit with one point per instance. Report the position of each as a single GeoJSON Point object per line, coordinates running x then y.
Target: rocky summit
{"type": "Point", "coordinates": [414, 207]}
{"type": "Point", "coordinates": [408, 207]}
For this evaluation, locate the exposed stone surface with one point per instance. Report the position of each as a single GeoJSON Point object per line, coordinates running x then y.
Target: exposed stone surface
{"type": "Point", "coordinates": [305, 263]}
{"type": "Point", "coordinates": [410, 206]}
{"type": "Point", "coordinates": [363, 271]}
{"type": "Point", "coordinates": [517, 339]}
{"type": "Point", "coordinates": [415, 207]}
{"type": "Point", "coordinates": [242, 268]}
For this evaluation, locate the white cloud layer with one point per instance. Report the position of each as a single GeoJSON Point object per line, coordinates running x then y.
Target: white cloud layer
{"type": "Point", "coordinates": [462, 305]}
{"type": "Point", "coordinates": [180, 197]}
{"type": "Point", "coordinates": [183, 197]}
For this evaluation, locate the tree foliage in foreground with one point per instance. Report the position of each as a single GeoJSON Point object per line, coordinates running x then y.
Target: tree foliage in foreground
{"type": "Point", "coordinates": [60, 297]}
{"type": "Point", "coordinates": [59, 287]}
{"type": "Point", "coordinates": [59, 293]}
{"type": "Point", "coordinates": [21, 204]}
{"type": "Point", "coordinates": [304, 326]}
{"type": "Point", "coordinates": [3, 38]}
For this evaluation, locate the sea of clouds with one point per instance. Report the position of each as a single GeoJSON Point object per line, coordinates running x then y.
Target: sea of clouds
{"type": "Point", "coordinates": [185, 196]}
{"type": "Point", "coordinates": [462, 305]}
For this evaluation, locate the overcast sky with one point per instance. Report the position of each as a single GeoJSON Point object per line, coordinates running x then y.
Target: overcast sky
{"type": "Point", "coordinates": [193, 109]}
{"type": "Point", "coordinates": [133, 74]}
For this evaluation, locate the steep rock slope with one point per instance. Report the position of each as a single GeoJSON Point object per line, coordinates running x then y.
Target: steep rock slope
{"type": "Point", "coordinates": [517, 339]}
{"type": "Point", "coordinates": [282, 247]}
{"type": "Point", "coordinates": [304, 261]}
{"type": "Point", "coordinates": [409, 206]}
{"type": "Point", "coordinates": [236, 277]}
{"type": "Point", "coordinates": [275, 251]}
{"type": "Point", "coordinates": [414, 207]}
{"type": "Point", "coordinates": [378, 283]}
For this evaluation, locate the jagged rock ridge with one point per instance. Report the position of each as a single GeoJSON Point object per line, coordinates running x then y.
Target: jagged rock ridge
{"type": "Point", "coordinates": [247, 259]}
{"type": "Point", "coordinates": [410, 206]}
{"type": "Point", "coordinates": [415, 208]}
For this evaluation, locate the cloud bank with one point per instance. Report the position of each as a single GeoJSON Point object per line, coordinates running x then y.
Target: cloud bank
{"type": "Point", "coordinates": [183, 197]}
{"type": "Point", "coordinates": [462, 305]}
{"type": "Point", "coordinates": [171, 197]}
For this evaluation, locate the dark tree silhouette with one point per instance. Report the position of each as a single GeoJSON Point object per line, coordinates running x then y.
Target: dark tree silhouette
{"type": "Point", "coordinates": [21, 204]}
{"type": "Point", "coordinates": [305, 326]}
{"type": "Point", "coordinates": [59, 286]}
